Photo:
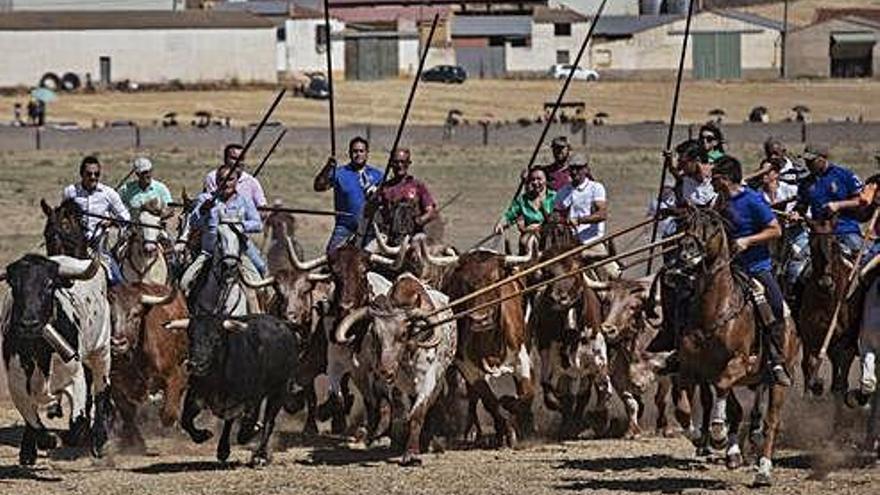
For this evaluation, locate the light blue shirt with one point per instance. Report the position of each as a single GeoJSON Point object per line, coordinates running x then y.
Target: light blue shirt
{"type": "Point", "coordinates": [238, 205]}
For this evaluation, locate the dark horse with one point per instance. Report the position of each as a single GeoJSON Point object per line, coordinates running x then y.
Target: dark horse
{"type": "Point", "coordinates": [824, 287]}
{"type": "Point", "coordinates": [64, 233]}
{"type": "Point", "coordinates": [721, 343]}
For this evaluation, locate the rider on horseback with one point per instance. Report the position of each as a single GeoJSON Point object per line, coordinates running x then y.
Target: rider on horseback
{"type": "Point", "coordinates": [206, 215]}
{"type": "Point", "coordinates": [403, 187]}
{"type": "Point", "coordinates": [531, 209]}
{"type": "Point", "coordinates": [752, 225]}
{"type": "Point", "coordinates": [137, 193]}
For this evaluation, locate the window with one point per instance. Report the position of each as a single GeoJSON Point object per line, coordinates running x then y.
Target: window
{"type": "Point", "coordinates": [562, 29]}
{"type": "Point", "coordinates": [562, 57]}
{"type": "Point", "coordinates": [519, 42]}
{"type": "Point", "coordinates": [281, 34]}
{"type": "Point", "coordinates": [602, 57]}
{"type": "Point", "coordinates": [320, 38]}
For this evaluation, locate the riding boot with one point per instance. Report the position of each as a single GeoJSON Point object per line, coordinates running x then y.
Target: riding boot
{"type": "Point", "coordinates": [777, 355]}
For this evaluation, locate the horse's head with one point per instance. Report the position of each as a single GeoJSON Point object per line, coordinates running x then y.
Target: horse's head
{"type": "Point", "coordinates": [146, 235]}
{"type": "Point", "coordinates": [230, 247]}
{"type": "Point", "coordinates": [704, 244]}
{"type": "Point", "coordinates": [825, 251]}
{"type": "Point", "coordinates": [64, 231]}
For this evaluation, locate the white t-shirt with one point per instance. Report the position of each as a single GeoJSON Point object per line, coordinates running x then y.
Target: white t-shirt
{"type": "Point", "coordinates": [786, 191]}
{"type": "Point", "coordinates": [580, 202]}
{"type": "Point", "coordinates": [697, 193]}
{"type": "Point", "coordinates": [103, 200]}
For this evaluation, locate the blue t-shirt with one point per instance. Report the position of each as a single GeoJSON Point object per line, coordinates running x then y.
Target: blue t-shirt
{"type": "Point", "coordinates": [836, 184]}
{"type": "Point", "coordinates": [749, 213]}
{"type": "Point", "coordinates": [349, 192]}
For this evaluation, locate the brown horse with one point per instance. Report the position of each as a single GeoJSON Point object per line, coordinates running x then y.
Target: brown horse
{"type": "Point", "coordinates": [824, 287]}
{"type": "Point", "coordinates": [721, 342]}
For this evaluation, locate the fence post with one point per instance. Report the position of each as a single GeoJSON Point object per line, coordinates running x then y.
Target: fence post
{"type": "Point", "coordinates": [243, 134]}
{"type": "Point", "coordinates": [37, 137]}
{"type": "Point", "coordinates": [137, 137]}
{"type": "Point", "coordinates": [803, 131]}
{"type": "Point", "coordinates": [584, 134]}
{"type": "Point", "coordinates": [690, 132]}
{"type": "Point", "coordinates": [369, 132]}
{"type": "Point", "coordinates": [485, 133]}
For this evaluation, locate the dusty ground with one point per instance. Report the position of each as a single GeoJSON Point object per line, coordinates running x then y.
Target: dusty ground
{"type": "Point", "coordinates": [381, 102]}
{"type": "Point", "coordinates": [486, 177]}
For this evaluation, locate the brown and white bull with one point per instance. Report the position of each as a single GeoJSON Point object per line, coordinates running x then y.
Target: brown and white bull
{"type": "Point", "coordinates": [492, 341]}
{"type": "Point", "coordinates": [629, 327]}
{"type": "Point", "coordinates": [146, 358]}
{"type": "Point", "coordinates": [574, 357]}
{"type": "Point", "coordinates": [412, 359]}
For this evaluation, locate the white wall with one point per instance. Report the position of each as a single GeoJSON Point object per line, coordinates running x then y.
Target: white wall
{"type": "Point", "coordinates": [147, 56]}
{"type": "Point", "coordinates": [104, 5]}
{"type": "Point", "coordinates": [657, 49]}
{"type": "Point", "coordinates": [303, 54]}
{"type": "Point", "coordinates": [542, 53]}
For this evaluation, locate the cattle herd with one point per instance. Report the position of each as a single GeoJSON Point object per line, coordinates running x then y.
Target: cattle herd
{"type": "Point", "coordinates": [425, 334]}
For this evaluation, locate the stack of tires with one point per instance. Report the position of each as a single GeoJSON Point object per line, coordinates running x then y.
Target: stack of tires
{"type": "Point", "coordinates": [68, 82]}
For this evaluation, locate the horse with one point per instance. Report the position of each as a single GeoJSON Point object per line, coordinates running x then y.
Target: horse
{"type": "Point", "coordinates": [718, 341]}
{"type": "Point", "coordinates": [224, 283]}
{"type": "Point", "coordinates": [143, 256]}
{"type": "Point", "coordinates": [825, 286]}
{"type": "Point", "coordinates": [64, 232]}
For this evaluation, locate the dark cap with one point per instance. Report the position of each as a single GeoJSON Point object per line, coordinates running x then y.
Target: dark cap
{"type": "Point", "coordinates": [813, 151]}
{"type": "Point", "coordinates": [559, 142]}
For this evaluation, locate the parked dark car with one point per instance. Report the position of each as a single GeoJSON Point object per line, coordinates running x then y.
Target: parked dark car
{"type": "Point", "coordinates": [317, 89]}
{"type": "Point", "coordinates": [445, 74]}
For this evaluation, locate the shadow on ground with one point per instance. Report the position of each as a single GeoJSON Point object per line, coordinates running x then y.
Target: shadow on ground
{"type": "Point", "coordinates": [8, 473]}
{"type": "Point", "coordinates": [659, 461]}
{"type": "Point", "coordinates": [342, 456]}
{"type": "Point", "coordinates": [643, 485]}
{"type": "Point", "coordinates": [185, 467]}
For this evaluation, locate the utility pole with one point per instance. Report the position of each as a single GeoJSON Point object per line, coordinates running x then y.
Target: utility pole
{"type": "Point", "coordinates": [782, 73]}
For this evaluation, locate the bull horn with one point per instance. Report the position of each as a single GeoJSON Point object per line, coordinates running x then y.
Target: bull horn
{"type": "Point", "coordinates": [437, 260]}
{"type": "Point", "coordinates": [234, 326]}
{"type": "Point", "coordinates": [303, 265]}
{"type": "Point", "coordinates": [347, 322]}
{"type": "Point", "coordinates": [525, 258]}
{"type": "Point", "coordinates": [180, 324]}
{"type": "Point", "coordinates": [319, 277]}
{"type": "Point", "coordinates": [67, 268]}
{"type": "Point", "coordinates": [401, 253]}
{"type": "Point", "coordinates": [258, 284]}
{"type": "Point", "coordinates": [382, 260]}
{"type": "Point", "coordinates": [595, 284]}
{"type": "Point", "coordinates": [151, 300]}
{"type": "Point", "coordinates": [383, 246]}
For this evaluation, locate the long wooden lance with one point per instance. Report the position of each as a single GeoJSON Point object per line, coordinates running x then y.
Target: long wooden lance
{"type": "Point", "coordinates": [330, 77]}
{"type": "Point", "coordinates": [250, 140]}
{"type": "Point", "coordinates": [282, 209]}
{"type": "Point", "coordinates": [269, 153]}
{"type": "Point", "coordinates": [133, 223]}
{"type": "Point", "coordinates": [561, 96]}
{"type": "Point", "coordinates": [671, 131]}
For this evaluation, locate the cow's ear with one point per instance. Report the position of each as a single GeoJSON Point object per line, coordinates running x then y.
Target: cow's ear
{"type": "Point", "coordinates": [47, 209]}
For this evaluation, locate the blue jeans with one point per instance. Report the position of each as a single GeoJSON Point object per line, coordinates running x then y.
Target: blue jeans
{"type": "Point", "coordinates": [799, 244]}
{"type": "Point", "coordinates": [341, 233]}
{"type": "Point", "coordinates": [851, 243]}
{"type": "Point", "coordinates": [114, 271]}
{"type": "Point", "coordinates": [772, 292]}
{"type": "Point", "coordinates": [254, 254]}
{"type": "Point", "coordinates": [872, 251]}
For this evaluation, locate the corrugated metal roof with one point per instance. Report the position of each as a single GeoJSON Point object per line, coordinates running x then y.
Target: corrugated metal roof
{"type": "Point", "coordinates": [624, 25]}
{"type": "Point", "coordinates": [491, 25]}
{"type": "Point", "coordinates": [751, 19]}
{"type": "Point", "coordinates": [260, 7]}
{"type": "Point", "coordinates": [544, 15]}
{"type": "Point", "coordinates": [388, 14]}
{"type": "Point", "coordinates": [187, 19]}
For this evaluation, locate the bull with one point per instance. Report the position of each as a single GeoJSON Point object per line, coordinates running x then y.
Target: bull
{"type": "Point", "coordinates": [234, 365]}
{"type": "Point", "coordinates": [412, 360]}
{"type": "Point", "coordinates": [57, 322]}
{"type": "Point", "coordinates": [146, 359]}
{"type": "Point", "coordinates": [573, 352]}
{"type": "Point", "coordinates": [494, 340]}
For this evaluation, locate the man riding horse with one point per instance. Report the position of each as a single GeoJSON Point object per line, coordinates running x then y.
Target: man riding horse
{"type": "Point", "coordinates": [404, 196]}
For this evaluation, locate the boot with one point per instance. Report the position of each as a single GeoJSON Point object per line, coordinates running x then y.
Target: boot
{"type": "Point", "coordinates": [778, 372]}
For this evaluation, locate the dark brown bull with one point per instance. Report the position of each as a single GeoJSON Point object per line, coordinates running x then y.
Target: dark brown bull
{"type": "Point", "coordinates": [63, 232]}
{"type": "Point", "coordinates": [628, 330]}
{"type": "Point", "coordinates": [823, 288]}
{"type": "Point", "coordinates": [300, 296]}
{"type": "Point", "coordinates": [567, 329]}
{"type": "Point", "coordinates": [146, 358]}
{"type": "Point", "coordinates": [493, 338]}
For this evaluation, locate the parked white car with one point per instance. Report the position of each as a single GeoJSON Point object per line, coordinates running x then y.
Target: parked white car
{"type": "Point", "coordinates": [560, 71]}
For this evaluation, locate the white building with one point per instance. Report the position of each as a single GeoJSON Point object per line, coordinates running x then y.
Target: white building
{"type": "Point", "coordinates": [143, 47]}
{"type": "Point", "coordinates": [90, 5]}
{"type": "Point", "coordinates": [304, 46]}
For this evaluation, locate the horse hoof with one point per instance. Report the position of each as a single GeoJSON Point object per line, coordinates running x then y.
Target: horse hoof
{"type": "Point", "coordinates": [310, 429]}
{"type": "Point", "coordinates": [201, 436]}
{"type": "Point", "coordinates": [223, 453]}
{"type": "Point", "coordinates": [27, 458]}
{"type": "Point", "coordinates": [54, 411]}
{"type": "Point", "coordinates": [702, 451]}
{"type": "Point", "coordinates": [46, 440]}
{"type": "Point", "coordinates": [762, 481]}
{"type": "Point", "coordinates": [817, 387]}
{"type": "Point", "coordinates": [855, 398]}
{"type": "Point", "coordinates": [360, 435]}
{"type": "Point", "coordinates": [410, 460]}
{"type": "Point", "coordinates": [762, 477]}
{"type": "Point", "coordinates": [718, 435]}
{"type": "Point", "coordinates": [258, 461]}
{"type": "Point", "coordinates": [734, 461]}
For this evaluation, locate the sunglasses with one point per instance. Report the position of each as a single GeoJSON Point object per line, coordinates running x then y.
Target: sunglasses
{"type": "Point", "coordinates": [709, 138]}
{"type": "Point", "coordinates": [92, 174]}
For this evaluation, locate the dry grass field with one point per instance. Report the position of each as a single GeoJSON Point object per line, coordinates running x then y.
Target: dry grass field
{"type": "Point", "coordinates": [801, 12]}
{"type": "Point", "coordinates": [381, 102]}
{"type": "Point", "coordinates": [485, 177]}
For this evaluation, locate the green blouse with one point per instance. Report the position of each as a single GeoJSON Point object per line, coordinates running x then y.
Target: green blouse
{"type": "Point", "coordinates": [523, 207]}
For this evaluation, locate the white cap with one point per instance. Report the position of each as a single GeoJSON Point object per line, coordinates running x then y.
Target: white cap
{"type": "Point", "coordinates": [141, 164]}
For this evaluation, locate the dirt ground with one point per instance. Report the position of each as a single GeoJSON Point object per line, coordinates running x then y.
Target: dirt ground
{"type": "Point", "coordinates": [485, 177]}
{"type": "Point", "coordinates": [381, 102]}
